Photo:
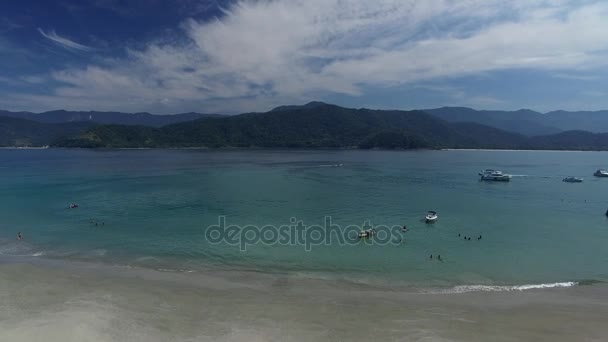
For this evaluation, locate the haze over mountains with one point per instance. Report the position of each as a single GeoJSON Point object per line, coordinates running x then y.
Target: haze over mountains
{"type": "Point", "coordinates": [314, 125]}
{"type": "Point", "coordinates": [118, 118]}
{"type": "Point", "coordinates": [528, 122]}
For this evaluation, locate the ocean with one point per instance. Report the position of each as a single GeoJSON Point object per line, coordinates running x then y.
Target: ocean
{"type": "Point", "coordinates": [147, 223]}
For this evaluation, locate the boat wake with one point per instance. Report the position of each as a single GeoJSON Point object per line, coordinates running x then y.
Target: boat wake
{"type": "Point", "coordinates": [331, 165]}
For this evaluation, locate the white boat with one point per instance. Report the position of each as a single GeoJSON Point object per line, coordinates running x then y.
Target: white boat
{"type": "Point", "coordinates": [431, 217]}
{"type": "Point", "coordinates": [601, 173]}
{"type": "Point", "coordinates": [367, 233]}
{"type": "Point", "coordinates": [494, 175]}
{"type": "Point", "coordinates": [573, 180]}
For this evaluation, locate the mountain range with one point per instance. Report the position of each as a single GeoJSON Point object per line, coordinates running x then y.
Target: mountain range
{"type": "Point", "coordinates": [118, 118]}
{"type": "Point", "coordinates": [528, 122]}
{"type": "Point", "coordinates": [314, 125]}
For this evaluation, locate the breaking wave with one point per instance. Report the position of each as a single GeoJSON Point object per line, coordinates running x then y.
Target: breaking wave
{"type": "Point", "coordinates": [511, 288]}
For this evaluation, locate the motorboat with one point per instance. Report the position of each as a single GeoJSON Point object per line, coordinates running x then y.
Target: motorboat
{"type": "Point", "coordinates": [494, 175]}
{"type": "Point", "coordinates": [431, 217]}
{"type": "Point", "coordinates": [573, 180]}
{"type": "Point", "coordinates": [601, 173]}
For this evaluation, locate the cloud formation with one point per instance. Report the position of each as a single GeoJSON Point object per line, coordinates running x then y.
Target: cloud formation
{"type": "Point", "coordinates": [64, 42]}
{"type": "Point", "coordinates": [265, 53]}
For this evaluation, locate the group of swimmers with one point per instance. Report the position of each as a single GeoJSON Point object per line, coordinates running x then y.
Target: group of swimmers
{"type": "Point", "coordinates": [438, 257]}
{"type": "Point", "coordinates": [469, 238]}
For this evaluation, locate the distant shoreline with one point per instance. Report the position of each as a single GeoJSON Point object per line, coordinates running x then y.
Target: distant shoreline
{"type": "Point", "coordinates": [24, 148]}
{"type": "Point", "coordinates": [285, 149]}
{"type": "Point", "coordinates": [510, 150]}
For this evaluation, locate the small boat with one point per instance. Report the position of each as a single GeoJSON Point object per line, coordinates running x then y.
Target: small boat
{"type": "Point", "coordinates": [367, 233]}
{"type": "Point", "coordinates": [494, 175]}
{"type": "Point", "coordinates": [573, 180]}
{"type": "Point", "coordinates": [431, 217]}
{"type": "Point", "coordinates": [601, 173]}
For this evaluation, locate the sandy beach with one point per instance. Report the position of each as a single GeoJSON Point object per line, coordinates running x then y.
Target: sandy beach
{"type": "Point", "coordinates": [59, 301]}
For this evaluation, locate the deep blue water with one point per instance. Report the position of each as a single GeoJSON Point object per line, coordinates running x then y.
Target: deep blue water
{"type": "Point", "coordinates": [152, 208]}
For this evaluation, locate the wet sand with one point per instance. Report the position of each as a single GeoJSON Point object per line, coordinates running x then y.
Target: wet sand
{"type": "Point", "coordinates": [56, 301]}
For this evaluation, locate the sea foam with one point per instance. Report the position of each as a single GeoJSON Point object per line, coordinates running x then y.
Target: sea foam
{"type": "Point", "coordinates": [498, 288]}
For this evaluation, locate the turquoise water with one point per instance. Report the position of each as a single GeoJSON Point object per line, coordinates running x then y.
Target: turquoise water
{"type": "Point", "coordinates": [156, 205]}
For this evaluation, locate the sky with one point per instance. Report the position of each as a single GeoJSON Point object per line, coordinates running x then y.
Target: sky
{"type": "Point", "coordinates": [234, 56]}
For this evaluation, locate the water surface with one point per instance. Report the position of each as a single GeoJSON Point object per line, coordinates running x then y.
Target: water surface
{"type": "Point", "coordinates": [152, 208]}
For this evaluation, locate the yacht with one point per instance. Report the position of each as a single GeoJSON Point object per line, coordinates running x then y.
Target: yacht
{"type": "Point", "coordinates": [573, 180]}
{"type": "Point", "coordinates": [494, 175]}
{"type": "Point", "coordinates": [601, 173]}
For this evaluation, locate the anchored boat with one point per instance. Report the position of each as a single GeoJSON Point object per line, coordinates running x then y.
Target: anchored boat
{"type": "Point", "coordinates": [601, 173]}
{"type": "Point", "coordinates": [573, 180]}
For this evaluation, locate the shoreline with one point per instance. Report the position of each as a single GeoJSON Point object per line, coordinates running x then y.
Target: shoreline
{"type": "Point", "coordinates": [206, 148]}
{"type": "Point", "coordinates": [511, 150]}
{"type": "Point", "coordinates": [227, 274]}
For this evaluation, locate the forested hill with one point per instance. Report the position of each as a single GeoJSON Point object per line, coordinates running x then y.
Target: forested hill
{"type": "Point", "coordinates": [310, 126]}
{"type": "Point", "coordinates": [316, 125]}
{"type": "Point", "coordinates": [21, 132]}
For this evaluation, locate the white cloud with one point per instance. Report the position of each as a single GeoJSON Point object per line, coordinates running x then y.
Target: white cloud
{"type": "Point", "coordinates": [64, 42]}
{"type": "Point", "coordinates": [262, 53]}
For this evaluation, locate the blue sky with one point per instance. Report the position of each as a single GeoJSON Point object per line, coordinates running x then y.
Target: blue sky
{"type": "Point", "coordinates": [220, 56]}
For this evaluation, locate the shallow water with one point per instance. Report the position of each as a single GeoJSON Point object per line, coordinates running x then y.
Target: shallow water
{"type": "Point", "coordinates": [152, 208]}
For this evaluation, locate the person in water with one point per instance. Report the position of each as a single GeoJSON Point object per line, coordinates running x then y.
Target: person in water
{"type": "Point", "coordinates": [479, 238]}
{"type": "Point", "coordinates": [431, 256]}
{"type": "Point", "coordinates": [439, 257]}
{"type": "Point", "coordinates": [19, 236]}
